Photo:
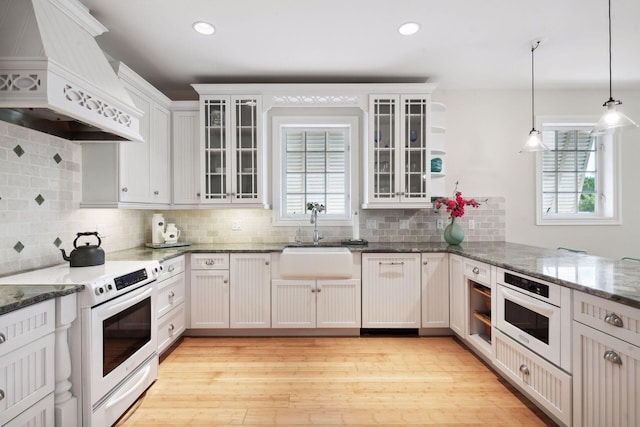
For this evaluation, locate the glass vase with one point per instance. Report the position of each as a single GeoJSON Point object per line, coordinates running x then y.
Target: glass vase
{"type": "Point", "coordinates": [453, 233]}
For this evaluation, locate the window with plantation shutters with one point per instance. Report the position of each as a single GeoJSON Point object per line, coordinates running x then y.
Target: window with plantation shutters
{"type": "Point", "coordinates": [576, 176]}
{"type": "Point", "coordinates": [313, 165]}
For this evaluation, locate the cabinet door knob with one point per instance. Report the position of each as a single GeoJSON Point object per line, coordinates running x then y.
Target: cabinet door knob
{"type": "Point", "coordinates": [198, 194]}
{"type": "Point", "coordinates": [614, 320]}
{"type": "Point", "coordinates": [476, 270]}
{"type": "Point", "coordinates": [3, 338]}
{"type": "Point", "coordinates": [171, 328]}
{"type": "Point", "coordinates": [156, 192]}
{"type": "Point", "coordinates": [266, 263]}
{"type": "Point", "coordinates": [172, 294]}
{"type": "Point", "coordinates": [425, 262]}
{"type": "Point", "coordinates": [125, 189]}
{"type": "Point", "coordinates": [613, 357]}
{"type": "Point", "coordinates": [313, 290]}
{"type": "Point", "coordinates": [1, 394]}
{"type": "Point", "coordinates": [525, 369]}
{"type": "Point", "coordinates": [225, 281]}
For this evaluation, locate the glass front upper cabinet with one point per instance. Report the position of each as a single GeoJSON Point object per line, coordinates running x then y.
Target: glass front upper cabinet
{"type": "Point", "coordinates": [232, 150]}
{"type": "Point", "coordinates": [398, 154]}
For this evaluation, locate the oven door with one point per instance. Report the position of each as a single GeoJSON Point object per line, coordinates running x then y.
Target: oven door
{"type": "Point", "coordinates": [533, 323]}
{"type": "Point", "coordinates": [123, 336]}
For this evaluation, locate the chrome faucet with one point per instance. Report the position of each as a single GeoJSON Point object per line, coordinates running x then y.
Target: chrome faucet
{"type": "Point", "coordinates": [315, 208]}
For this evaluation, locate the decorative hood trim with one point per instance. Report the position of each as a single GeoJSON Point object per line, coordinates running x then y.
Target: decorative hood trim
{"type": "Point", "coordinates": [54, 77]}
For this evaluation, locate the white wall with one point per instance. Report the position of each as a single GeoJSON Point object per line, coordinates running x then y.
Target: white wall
{"type": "Point", "coordinates": [485, 131]}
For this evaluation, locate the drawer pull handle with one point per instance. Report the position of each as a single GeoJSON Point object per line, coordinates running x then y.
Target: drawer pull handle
{"type": "Point", "coordinates": [171, 268]}
{"type": "Point", "coordinates": [614, 320]}
{"type": "Point", "coordinates": [172, 294]}
{"type": "Point", "coordinates": [171, 328]}
{"type": "Point", "coordinates": [612, 356]}
{"type": "Point", "coordinates": [476, 270]}
{"type": "Point", "coordinates": [1, 394]}
{"type": "Point", "coordinates": [425, 262]}
{"type": "Point", "coordinates": [156, 192]}
{"type": "Point", "coordinates": [391, 263]}
{"type": "Point", "coordinates": [210, 261]}
{"type": "Point", "coordinates": [525, 370]}
{"type": "Point", "coordinates": [2, 338]}
{"type": "Point", "coordinates": [225, 281]}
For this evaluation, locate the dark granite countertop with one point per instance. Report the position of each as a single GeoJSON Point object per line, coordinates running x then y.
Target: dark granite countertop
{"type": "Point", "coordinates": [604, 277]}
{"type": "Point", "coordinates": [15, 297]}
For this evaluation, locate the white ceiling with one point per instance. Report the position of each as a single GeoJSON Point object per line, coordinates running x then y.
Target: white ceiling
{"type": "Point", "coordinates": [463, 44]}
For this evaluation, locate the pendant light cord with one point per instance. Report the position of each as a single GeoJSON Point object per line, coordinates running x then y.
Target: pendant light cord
{"type": "Point", "coordinates": [533, 117]}
{"type": "Point", "coordinates": [610, 72]}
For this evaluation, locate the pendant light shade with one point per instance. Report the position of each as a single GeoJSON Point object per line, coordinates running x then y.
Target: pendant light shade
{"type": "Point", "coordinates": [612, 118]}
{"type": "Point", "coordinates": [534, 142]}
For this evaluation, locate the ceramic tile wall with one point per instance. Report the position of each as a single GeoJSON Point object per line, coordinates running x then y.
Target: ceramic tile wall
{"type": "Point", "coordinates": [40, 185]}
{"type": "Point", "coordinates": [388, 225]}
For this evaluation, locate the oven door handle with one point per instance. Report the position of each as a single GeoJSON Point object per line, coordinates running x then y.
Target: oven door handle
{"type": "Point", "coordinates": [515, 297]}
{"type": "Point", "coordinates": [108, 309]}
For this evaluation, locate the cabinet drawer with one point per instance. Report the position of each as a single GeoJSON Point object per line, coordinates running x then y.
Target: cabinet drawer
{"type": "Point", "coordinates": [170, 294]}
{"type": "Point", "coordinates": [544, 383]}
{"type": "Point", "coordinates": [26, 376]}
{"type": "Point", "coordinates": [170, 327]}
{"type": "Point", "coordinates": [478, 271]}
{"type": "Point", "coordinates": [171, 267]}
{"type": "Point", "coordinates": [27, 324]}
{"type": "Point", "coordinates": [606, 380]}
{"type": "Point", "coordinates": [212, 261]}
{"type": "Point", "coordinates": [42, 414]}
{"type": "Point", "coordinates": [621, 321]}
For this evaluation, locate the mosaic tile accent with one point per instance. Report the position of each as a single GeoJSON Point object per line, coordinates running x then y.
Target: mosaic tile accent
{"type": "Point", "coordinates": [39, 199]}
{"type": "Point", "coordinates": [57, 158]}
{"type": "Point", "coordinates": [18, 150]}
{"type": "Point", "coordinates": [18, 247]}
{"type": "Point", "coordinates": [57, 242]}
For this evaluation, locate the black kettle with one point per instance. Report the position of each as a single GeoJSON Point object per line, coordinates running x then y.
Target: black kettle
{"type": "Point", "coordinates": [87, 255]}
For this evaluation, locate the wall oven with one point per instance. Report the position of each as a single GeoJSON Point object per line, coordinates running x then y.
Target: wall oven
{"type": "Point", "coordinates": [530, 312]}
{"type": "Point", "coordinates": [116, 359]}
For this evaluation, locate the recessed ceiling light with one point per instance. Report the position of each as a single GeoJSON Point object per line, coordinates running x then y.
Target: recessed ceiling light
{"type": "Point", "coordinates": [204, 28]}
{"type": "Point", "coordinates": [409, 28]}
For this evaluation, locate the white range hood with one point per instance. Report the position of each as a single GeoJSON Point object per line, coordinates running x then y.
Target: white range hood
{"type": "Point", "coordinates": [55, 78]}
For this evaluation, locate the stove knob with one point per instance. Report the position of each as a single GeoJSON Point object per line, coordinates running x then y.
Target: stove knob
{"type": "Point", "coordinates": [99, 290]}
{"type": "Point", "coordinates": [109, 287]}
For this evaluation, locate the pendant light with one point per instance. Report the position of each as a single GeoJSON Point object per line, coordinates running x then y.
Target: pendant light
{"type": "Point", "coordinates": [534, 142]}
{"type": "Point", "coordinates": [612, 118]}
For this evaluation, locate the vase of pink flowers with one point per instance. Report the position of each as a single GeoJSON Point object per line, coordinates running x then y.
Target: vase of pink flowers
{"type": "Point", "coordinates": [453, 233]}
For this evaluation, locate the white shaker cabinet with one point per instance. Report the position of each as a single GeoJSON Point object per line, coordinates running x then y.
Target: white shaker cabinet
{"type": "Point", "coordinates": [250, 290]}
{"type": "Point", "coordinates": [185, 153]}
{"type": "Point", "coordinates": [457, 297]}
{"type": "Point", "coordinates": [132, 174]}
{"type": "Point", "coordinates": [606, 363]}
{"type": "Point", "coordinates": [390, 290]}
{"type": "Point", "coordinates": [323, 303]}
{"type": "Point", "coordinates": [435, 290]}
{"type": "Point", "coordinates": [209, 289]}
{"type": "Point", "coordinates": [171, 301]}
{"type": "Point", "coordinates": [27, 360]}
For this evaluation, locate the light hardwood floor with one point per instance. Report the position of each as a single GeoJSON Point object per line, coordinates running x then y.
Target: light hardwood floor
{"type": "Point", "coordinates": [368, 380]}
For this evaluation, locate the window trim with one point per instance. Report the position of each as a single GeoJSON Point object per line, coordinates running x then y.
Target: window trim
{"type": "Point", "coordinates": [582, 219]}
{"type": "Point", "coordinates": [351, 174]}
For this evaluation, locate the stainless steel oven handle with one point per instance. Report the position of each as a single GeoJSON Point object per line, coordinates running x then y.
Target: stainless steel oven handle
{"type": "Point", "coordinates": [526, 303]}
{"type": "Point", "coordinates": [108, 310]}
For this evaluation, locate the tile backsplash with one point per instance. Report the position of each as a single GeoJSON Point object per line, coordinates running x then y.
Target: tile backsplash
{"type": "Point", "coordinates": [40, 190]}
{"type": "Point", "coordinates": [388, 225]}
{"type": "Point", "coordinates": [40, 193]}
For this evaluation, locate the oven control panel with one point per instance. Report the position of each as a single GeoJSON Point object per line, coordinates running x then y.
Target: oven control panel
{"type": "Point", "coordinates": [527, 284]}
{"type": "Point", "coordinates": [121, 279]}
